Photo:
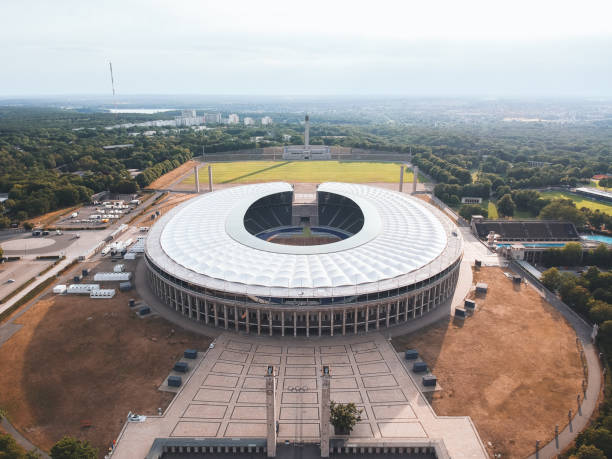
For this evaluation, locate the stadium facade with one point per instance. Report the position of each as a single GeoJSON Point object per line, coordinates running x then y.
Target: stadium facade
{"type": "Point", "coordinates": [388, 258]}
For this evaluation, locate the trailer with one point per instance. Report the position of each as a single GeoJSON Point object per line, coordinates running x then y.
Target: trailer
{"type": "Point", "coordinates": [82, 289]}
{"type": "Point", "coordinates": [112, 277]}
{"type": "Point", "coordinates": [59, 289]}
{"type": "Point", "coordinates": [102, 293]}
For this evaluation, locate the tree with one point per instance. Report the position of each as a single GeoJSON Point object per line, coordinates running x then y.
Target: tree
{"type": "Point", "coordinates": [467, 210]}
{"type": "Point", "coordinates": [600, 311]}
{"type": "Point", "coordinates": [551, 278]}
{"type": "Point", "coordinates": [344, 417]}
{"type": "Point", "coordinates": [506, 206]}
{"type": "Point", "coordinates": [564, 210]}
{"type": "Point", "coordinates": [9, 449]}
{"type": "Point", "coordinates": [589, 452]}
{"type": "Point", "coordinates": [71, 448]}
{"type": "Point", "coordinates": [600, 438]}
{"type": "Point", "coordinates": [5, 222]}
{"type": "Point", "coordinates": [577, 298]}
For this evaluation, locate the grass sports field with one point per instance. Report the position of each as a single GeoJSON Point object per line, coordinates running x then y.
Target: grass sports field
{"type": "Point", "coordinates": [302, 171]}
{"type": "Point", "coordinates": [580, 201]}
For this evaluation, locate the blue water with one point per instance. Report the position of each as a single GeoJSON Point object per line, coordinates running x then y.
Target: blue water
{"type": "Point", "coordinates": [543, 244]}
{"type": "Point", "coordinates": [598, 237]}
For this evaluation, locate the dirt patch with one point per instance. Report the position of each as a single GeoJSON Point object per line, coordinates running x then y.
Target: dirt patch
{"type": "Point", "coordinates": [166, 180]}
{"type": "Point", "coordinates": [513, 366]}
{"type": "Point", "coordinates": [51, 217]}
{"type": "Point", "coordinates": [164, 205]}
{"type": "Point", "coordinates": [80, 360]}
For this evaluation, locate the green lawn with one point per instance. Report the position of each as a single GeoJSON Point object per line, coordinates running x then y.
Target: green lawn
{"type": "Point", "coordinates": [303, 171]}
{"type": "Point", "coordinates": [580, 201]}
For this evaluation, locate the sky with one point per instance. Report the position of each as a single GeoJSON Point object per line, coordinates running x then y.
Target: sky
{"type": "Point", "coordinates": [517, 48]}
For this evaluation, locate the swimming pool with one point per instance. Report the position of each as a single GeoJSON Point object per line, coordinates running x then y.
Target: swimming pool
{"type": "Point", "coordinates": [598, 237]}
{"type": "Point", "coordinates": [541, 244]}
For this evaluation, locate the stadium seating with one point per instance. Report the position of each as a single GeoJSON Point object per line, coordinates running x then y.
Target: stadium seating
{"type": "Point", "coordinates": [528, 230]}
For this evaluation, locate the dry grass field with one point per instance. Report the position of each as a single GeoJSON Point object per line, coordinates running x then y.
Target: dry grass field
{"type": "Point", "coordinates": [513, 366]}
{"type": "Point", "coordinates": [166, 180]}
{"type": "Point", "coordinates": [78, 359]}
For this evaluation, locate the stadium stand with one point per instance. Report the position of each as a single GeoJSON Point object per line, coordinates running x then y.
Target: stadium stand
{"type": "Point", "coordinates": [530, 230]}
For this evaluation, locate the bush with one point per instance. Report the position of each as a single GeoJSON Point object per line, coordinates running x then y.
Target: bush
{"type": "Point", "coordinates": [344, 417]}
{"type": "Point", "coordinates": [467, 210]}
{"type": "Point", "coordinates": [590, 452]}
{"type": "Point", "coordinates": [71, 448]}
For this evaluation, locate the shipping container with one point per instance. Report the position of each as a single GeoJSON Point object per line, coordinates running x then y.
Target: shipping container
{"type": "Point", "coordinates": [181, 367]}
{"type": "Point", "coordinates": [411, 354]}
{"type": "Point", "coordinates": [190, 354]}
{"type": "Point", "coordinates": [430, 381]}
{"type": "Point", "coordinates": [469, 304]}
{"type": "Point", "coordinates": [175, 381]}
{"type": "Point", "coordinates": [419, 367]}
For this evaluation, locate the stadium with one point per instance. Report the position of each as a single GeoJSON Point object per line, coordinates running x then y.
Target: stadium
{"type": "Point", "coordinates": [344, 259]}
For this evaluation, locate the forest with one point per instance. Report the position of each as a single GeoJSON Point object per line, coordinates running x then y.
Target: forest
{"type": "Point", "coordinates": [54, 158]}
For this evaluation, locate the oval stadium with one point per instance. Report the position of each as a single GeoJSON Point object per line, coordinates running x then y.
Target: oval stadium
{"type": "Point", "coordinates": [344, 259]}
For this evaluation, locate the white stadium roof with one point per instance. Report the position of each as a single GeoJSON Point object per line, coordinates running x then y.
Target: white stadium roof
{"type": "Point", "coordinates": [204, 242]}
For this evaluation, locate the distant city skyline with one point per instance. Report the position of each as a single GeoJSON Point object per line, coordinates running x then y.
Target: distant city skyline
{"type": "Point", "coordinates": [438, 48]}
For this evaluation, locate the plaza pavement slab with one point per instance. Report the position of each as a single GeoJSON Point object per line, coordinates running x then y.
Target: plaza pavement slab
{"type": "Point", "coordinates": [224, 397]}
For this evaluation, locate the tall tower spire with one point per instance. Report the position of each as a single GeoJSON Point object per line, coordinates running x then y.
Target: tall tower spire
{"type": "Point", "coordinates": [306, 131]}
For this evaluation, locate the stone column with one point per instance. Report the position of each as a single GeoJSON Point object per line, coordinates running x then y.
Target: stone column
{"type": "Point", "coordinates": [210, 179]}
{"type": "Point", "coordinates": [236, 318]}
{"type": "Point", "coordinates": [343, 322]}
{"type": "Point", "coordinates": [247, 324]}
{"type": "Point", "coordinates": [197, 179]}
{"type": "Point", "coordinates": [283, 323]}
{"type": "Point", "coordinates": [388, 313]}
{"type": "Point", "coordinates": [319, 323]}
{"type": "Point", "coordinates": [367, 318]}
{"type": "Point", "coordinates": [401, 184]}
{"type": "Point", "coordinates": [307, 324]}
{"type": "Point", "coordinates": [295, 324]}
{"type": "Point", "coordinates": [356, 314]}
{"type": "Point", "coordinates": [216, 306]}
{"type": "Point", "coordinates": [325, 411]}
{"type": "Point", "coordinates": [258, 313]}
{"type": "Point", "coordinates": [331, 325]}
{"type": "Point", "coordinates": [377, 316]}
{"type": "Point", "coordinates": [225, 316]}
{"type": "Point", "coordinates": [270, 322]}
{"type": "Point", "coordinates": [206, 311]}
{"type": "Point", "coordinates": [271, 411]}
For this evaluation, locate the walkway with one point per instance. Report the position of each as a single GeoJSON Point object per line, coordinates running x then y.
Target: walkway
{"type": "Point", "coordinates": [20, 439]}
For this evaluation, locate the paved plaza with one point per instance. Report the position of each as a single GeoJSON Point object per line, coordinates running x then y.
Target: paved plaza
{"type": "Point", "coordinates": [225, 396]}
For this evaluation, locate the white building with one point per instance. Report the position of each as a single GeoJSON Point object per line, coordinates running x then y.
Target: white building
{"type": "Point", "coordinates": [266, 120]}
{"type": "Point", "coordinates": [248, 121]}
{"type": "Point", "coordinates": [286, 137]}
{"type": "Point", "coordinates": [233, 119]}
{"type": "Point", "coordinates": [212, 118]}
{"type": "Point", "coordinates": [188, 113]}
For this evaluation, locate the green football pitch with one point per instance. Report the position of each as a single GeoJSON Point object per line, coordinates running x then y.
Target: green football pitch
{"type": "Point", "coordinates": [579, 200]}
{"type": "Point", "coordinates": [303, 171]}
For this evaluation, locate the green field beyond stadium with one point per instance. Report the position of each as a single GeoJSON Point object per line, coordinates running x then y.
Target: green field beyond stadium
{"type": "Point", "coordinates": [302, 171]}
{"type": "Point", "coordinates": [579, 200]}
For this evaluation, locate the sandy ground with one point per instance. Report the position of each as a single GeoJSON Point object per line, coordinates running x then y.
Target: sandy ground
{"type": "Point", "coordinates": [51, 217]}
{"type": "Point", "coordinates": [168, 179]}
{"type": "Point", "coordinates": [164, 205]}
{"type": "Point", "coordinates": [78, 359]}
{"type": "Point", "coordinates": [514, 366]}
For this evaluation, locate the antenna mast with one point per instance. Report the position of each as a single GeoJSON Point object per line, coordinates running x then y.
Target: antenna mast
{"type": "Point", "coordinates": [110, 65]}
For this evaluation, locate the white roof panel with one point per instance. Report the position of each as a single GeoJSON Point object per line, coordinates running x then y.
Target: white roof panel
{"type": "Point", "coordinates": [204, 241]}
